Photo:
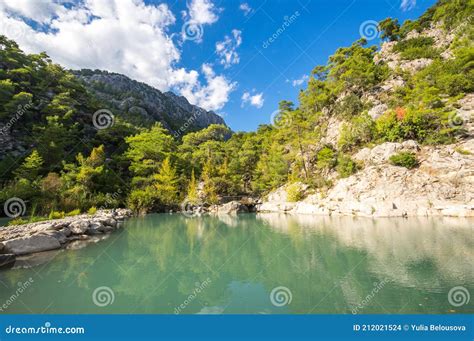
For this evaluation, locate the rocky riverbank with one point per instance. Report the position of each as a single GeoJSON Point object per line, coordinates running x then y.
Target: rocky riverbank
{"type": "Point", "coordinates": [441, 185]}
{"type": "Point", "coordinates": [17, 241]}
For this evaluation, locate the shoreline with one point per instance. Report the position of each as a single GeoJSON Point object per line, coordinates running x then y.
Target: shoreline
{"type": "Point", "coordinates": [21, 240]}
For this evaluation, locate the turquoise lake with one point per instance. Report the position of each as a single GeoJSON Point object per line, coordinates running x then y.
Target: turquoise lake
{"type": "Point", "coordinates": [254, 264]}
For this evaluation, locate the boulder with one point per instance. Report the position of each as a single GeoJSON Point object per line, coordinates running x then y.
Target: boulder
{"type": "Point", "coordinates": [31, 244]}
{"type": "Point", "coordinates": [79, 227]}
{"type": "Point", "coordinates": [232, 207]}
{"type": "Point", "coordinates": [377, 111]}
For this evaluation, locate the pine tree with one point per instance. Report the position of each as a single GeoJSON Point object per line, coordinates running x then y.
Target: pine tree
{"type": "Point", "coordinates": [31, 167]}
{"type": "Point", "coordinates": [192, 196]}
{"type": "Point", "coordinates": [166, 183]}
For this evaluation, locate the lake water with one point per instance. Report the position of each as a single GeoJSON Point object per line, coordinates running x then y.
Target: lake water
{"type": "Point", "coordinates": [263, 264]}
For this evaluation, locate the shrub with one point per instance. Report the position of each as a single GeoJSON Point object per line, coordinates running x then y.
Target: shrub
{"type": "Point", "coordinates": [414, 48]}
{"type": "Point", "coordinates": [404, 159]}
{"type": "Point", "coordinates": [358, 132]}
{"type": "Point", "coordinates": [346, 166]}
{"type": "Point", "coordinates": [73, 213]}
{"type": "Point", "coordinates": [92, 210]}
{"type": "Point", "coordinates": [17, 221]}
{"type": "Point", "coordinates": [56, 215]}
{"type": "Point", "coordinates": [326, 158]}
{"type": "Point", "coordinates": [294, 192]}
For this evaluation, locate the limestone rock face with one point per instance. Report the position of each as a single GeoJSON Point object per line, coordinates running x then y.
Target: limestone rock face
{"type": "Point", "coordinates": [443, 184]}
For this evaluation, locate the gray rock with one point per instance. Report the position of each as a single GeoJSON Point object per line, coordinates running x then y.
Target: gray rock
{"type": "Point", "coordinates": [35, 243]}
{"type": "Point", "coordinates": [79, 227]}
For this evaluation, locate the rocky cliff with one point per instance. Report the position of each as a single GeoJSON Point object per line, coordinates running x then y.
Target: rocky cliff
{"type": "Point", "coordinates": [143, 105]}
{"type": "Point", "coordinates": [441, 184]}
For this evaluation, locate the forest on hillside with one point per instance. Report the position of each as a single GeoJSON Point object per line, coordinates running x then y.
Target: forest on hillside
{"type": "Point", "coordinates": [69, 166]}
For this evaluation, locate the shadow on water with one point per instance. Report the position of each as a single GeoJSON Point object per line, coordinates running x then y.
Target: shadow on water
{"type": "Point", "coordinates": [265, 263]}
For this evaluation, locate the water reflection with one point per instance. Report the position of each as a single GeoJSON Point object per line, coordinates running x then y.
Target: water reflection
{"type": "Point", "coordinates": [329, 264]}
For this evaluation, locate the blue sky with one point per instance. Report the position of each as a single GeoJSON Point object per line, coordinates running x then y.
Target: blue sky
{"type": "Point", "coordinates": [318, 31]}
{"type": "Point", "coordinates": [146, 40]}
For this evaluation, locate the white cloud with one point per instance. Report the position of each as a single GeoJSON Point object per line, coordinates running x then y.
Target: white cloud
{"type": "Point", "coordinates": [227, 49]}
{"type": "Point", "coordinates": [212, 96]}
{"type": "Point", "coordinates": [202, 12]}
{"type": "Point", "coordinates": [299, 81]}
{"type": "Point", "coordinates": [245, 7]}
{"type": "Point", "coordinates": [124, 36]}
{"type": "Point", "coordinates": [407, 5]}
{"type": "Point", "coordinates": [255, 100]}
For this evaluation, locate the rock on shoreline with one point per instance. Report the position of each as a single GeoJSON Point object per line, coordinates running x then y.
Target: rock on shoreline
{"type": "Point", "coordinates": [442, 185]}
{"type": "Point", "coordinates": [55, 234]}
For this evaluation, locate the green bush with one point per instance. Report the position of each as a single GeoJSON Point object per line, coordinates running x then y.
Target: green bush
{"type": "Point", "coordinates": [414, 48]}
{"type": "Point", "coordinates": [346, 166]}
{"type": "Point", "coordinates": [357, 132]}
{"type": "Point", "coordinates": [404, 159]}
{"type": "Point", "coordinates": [326, 158]}
{"type": "Point", "coordinates": [294, 192]}
{"type": "Point", "coordinates": [73, 213]}
{"type": "Point", "coordinates": [17, 221]}
{"type": "Point", "coordinates": [92, 211]}
{"type": "Point", "coordinates": [56, 215]}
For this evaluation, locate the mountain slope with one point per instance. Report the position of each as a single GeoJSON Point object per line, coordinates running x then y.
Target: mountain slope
{"type": "Point", "coordinates": [142, 104]}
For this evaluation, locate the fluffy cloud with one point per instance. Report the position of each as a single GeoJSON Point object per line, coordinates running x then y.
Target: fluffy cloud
{"type": "Point", "coordinates": [227, 49]}
{"type": "Point", "coordinates": [255, 100]}
{"type": "Point", "coordinates": [245, 7]}
{"type": "Point", "coordinates": [202, 12]}
{"type": "Point", "coordinates": [299, 81]}
{"type": "Point", "coordinates": [124, 36]}
{"type": "Point", "coordinates": [407, 5]}
{"type": "Point", "coordinates": [212, 96]}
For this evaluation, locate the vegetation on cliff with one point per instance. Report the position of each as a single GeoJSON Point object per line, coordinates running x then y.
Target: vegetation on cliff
{"type": "Point", "coordinates": [70, 165]}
